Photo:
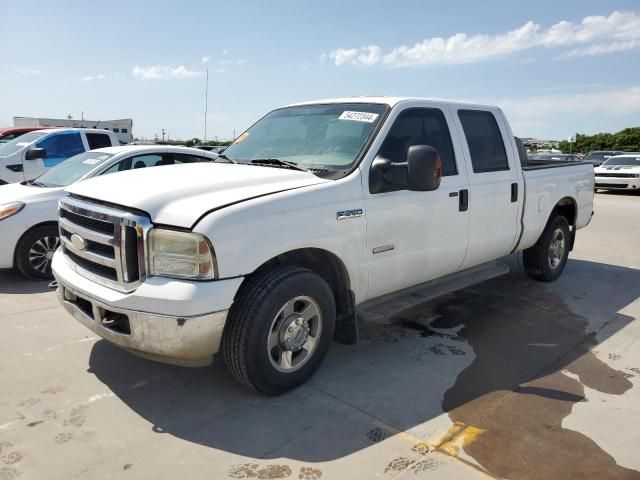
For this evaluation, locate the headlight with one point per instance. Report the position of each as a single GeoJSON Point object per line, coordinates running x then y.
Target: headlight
{"type": "Point", "coordinates": [9, 209]}
{"type": "Point", "coordinates": [180, 254]}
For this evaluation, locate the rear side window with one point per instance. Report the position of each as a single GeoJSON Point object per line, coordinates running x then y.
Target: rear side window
{"type": "Point", "coordinates": [183, 158]}
{"type": "Point", "coordinates": [98, 140]}
{"type": "Point", "coordinates": [484, 140]}
{"type": "Point", "coordinates": [420, 126]}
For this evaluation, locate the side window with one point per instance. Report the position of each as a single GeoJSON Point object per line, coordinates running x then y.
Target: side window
{"type": "Point", "coordinates": [98, 140]}
{"type": "Point", "coordinates": [151, 160]}
{"type": "Point", "coordinates": [184, 158]}
{"type": "Point", "coordinates": [118, 167]}
{"type": "Point", "coordinates": [420, 126]}
{"type": "Point", "coordinates": [484, 140]}
{"type": "Point", "coordinates": [60, 146]}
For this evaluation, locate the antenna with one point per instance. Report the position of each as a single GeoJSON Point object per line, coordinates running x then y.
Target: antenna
{"type": "Point", "coordinates": [206, 104]}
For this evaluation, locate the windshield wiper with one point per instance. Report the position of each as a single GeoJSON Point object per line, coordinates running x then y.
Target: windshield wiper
{"type": "Point", "coordinates": [37, 184]}
{"type": "Point", "coordinates": [224, 157]}
{"type": "Point", "coordinates": [278, 163]}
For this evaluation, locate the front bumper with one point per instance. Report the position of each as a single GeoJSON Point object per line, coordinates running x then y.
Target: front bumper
{"type": "Point", "coordinates": [190, 339]}
{"type": "Point", "coordinates": [617, 183]}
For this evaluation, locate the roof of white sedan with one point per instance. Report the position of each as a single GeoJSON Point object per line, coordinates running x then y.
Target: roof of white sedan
{"type": "Point", "coordinates": [155, 148]}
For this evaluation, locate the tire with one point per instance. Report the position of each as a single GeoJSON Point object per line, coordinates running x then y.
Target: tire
{"type": "Point", "coordinates": [34, 251]}
{"type": "Point", "coordinates": [263, 318]}
{"type": "Point", "coordinates": [546, 260]}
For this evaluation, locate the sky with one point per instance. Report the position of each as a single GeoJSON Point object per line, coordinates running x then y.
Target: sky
{"type": "Point", "coordinates": [555, 67]}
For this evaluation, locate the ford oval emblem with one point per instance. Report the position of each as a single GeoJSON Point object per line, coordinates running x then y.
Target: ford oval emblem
{"type": "Point", "coordinates": [78, 242]}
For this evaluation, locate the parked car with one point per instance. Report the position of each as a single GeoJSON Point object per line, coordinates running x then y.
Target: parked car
{"type": "Point", "coordinates": [7, 134]}
{"type": "Point", "coordinates": [565, 157]}
{"type": "Point", "coordinates": [33, 153]}
{"type": "Point", "coordinates": [327, 205]}
{"type": "Point", "coordinates": [28, 210]}
{"type": "Point", "coordinates": [621, 172]}
{"type": "Point", "coordinates": [598, 157]}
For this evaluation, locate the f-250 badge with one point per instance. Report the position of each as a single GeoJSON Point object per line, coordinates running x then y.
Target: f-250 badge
{"type": "Point", "coordinates": [344, 214]}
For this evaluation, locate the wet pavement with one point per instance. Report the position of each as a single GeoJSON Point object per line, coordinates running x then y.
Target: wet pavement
{"type": "Point", "coordinates": [507, 379]}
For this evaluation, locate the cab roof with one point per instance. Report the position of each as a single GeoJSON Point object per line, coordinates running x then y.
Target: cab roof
{"type": "Point", "coordinates": [386, 100]}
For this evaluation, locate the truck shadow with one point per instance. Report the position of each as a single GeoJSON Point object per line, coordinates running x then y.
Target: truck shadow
{"type": "Point", "coordinates": [511, 346]}
{"type": "Point", "coordinates": [13, 282]}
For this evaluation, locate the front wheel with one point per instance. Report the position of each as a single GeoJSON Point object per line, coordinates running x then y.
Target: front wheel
{"type": "Point", "coordinates": [279, 329]}
{"type": "Point", "coordinates": [35, 250]}
{"type": "Point", "coordinates": [546, 260]}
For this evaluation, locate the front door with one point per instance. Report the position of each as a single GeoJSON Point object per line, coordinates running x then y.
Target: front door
{"type": "Point", "coordinates": [413, 237]}
{"type": "Point", "coordinates": [59, 147]}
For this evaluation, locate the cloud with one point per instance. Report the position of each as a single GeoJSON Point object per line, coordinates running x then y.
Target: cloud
{"type": "Point", "coordinates": [90, 78]}
{"type": "Point", "coordinates": [205, 60]}
{"type": "Point", "coordinates": [545, 110]}
{"type": "Point", "coordinates": [154, 72]}
{"type": "Point", "coordinates": [29, 72]}
{"type": "Point", "coordinates": [602, 49]}
{"type": "Point", "coordinates": [602, 34]}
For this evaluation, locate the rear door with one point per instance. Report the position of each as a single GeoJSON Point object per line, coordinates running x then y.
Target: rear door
{"type": "Point", "coordinates": [495, 184]}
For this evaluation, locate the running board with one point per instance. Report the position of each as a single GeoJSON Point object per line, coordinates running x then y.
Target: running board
{"type": "Point", "coordinates": [423, 292]}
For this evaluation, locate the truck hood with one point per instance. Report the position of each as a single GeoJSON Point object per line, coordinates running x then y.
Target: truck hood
{"type": "Point", "coordinates": [180, 194]}
{"type": "Point", "coordinates": [617, 168]}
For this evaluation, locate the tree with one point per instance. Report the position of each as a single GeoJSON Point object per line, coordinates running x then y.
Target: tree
{"type": "Point", "coordinates": [626, 140]}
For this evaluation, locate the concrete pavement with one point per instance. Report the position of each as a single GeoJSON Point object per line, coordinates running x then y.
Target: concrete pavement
{"type": "Point", "coordinates": [507, 379]}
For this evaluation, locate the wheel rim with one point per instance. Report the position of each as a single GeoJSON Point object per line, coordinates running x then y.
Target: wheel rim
{"type": "Point", "coordinates": [294, 334]}
{"type": "Point", "coordinates": [41, 252]}
{"type": "Point", "coordinates": [556, 248]}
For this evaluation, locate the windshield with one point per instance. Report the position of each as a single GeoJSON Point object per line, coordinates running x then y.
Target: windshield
{"type": "Point", "coordinates": [633, 161]}
{"type": "Point", "coordinates": [599, 155]}
{"type": "Point", "coordinates": [19, 143]}
{"type": "Point", "coordinates": [326, 136]}
{"type": "Point", "coordinates": [73, 169]}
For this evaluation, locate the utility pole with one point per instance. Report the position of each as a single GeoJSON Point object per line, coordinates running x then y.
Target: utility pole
{"type": "Point", "coordinates": [163, 135]}
{"type": "Point", "coordinates": [206, 104]}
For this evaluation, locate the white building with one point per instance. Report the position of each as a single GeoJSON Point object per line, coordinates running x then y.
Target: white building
{"type": "Point", "coordinates": [121, 127]}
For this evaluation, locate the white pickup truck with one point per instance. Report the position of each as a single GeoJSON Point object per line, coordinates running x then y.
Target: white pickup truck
{"type": "Point", "coordinates": [322, 206]}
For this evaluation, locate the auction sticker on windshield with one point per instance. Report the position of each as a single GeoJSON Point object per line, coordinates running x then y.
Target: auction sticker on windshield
{"type": "Point", "coordinates": [359, 116]}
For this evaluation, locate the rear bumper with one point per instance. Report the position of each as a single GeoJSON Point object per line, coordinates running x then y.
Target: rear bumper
{"type": "Point", "coordinates": [178, 322]}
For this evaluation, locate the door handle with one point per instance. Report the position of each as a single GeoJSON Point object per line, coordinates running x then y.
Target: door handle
{"type": "Point", "coordinates": [514, 192]}
{"type": "Point", "coordinates": [463, 205]}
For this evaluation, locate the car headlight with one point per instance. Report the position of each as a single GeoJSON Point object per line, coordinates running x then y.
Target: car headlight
{"type": "Point", "coordinates": [179, 254]}
{"type": "Point", "coordinates": [8, 209]}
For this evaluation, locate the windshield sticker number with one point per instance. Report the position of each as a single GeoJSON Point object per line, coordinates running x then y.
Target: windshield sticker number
{"type": "Point", "coordinates": [92, 161]}
{"type": "Point", "coordinates": [359, 116]}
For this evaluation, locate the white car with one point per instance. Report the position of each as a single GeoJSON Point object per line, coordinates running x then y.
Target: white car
{"type": "Point", "coordinates": [29, 210]}
{"type": "Point", "coordinates": [621, 172]}
{"type": "Point", "coordinates": [326, 205]}
{"type": "Point", "coordinates": [30, 155]}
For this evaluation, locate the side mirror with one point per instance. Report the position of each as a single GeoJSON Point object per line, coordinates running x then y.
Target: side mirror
{"type": "Point", "coordinates": [420, 173]}
{"type": "Point", "coordinates": [35, 153]}
{"type": "Point", "coordinates": [424, 168]}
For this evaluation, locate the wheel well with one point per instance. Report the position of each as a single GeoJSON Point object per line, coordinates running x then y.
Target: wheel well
{"type": "Point", "coordinates": [566, 207]}
{"type": "Point", "coordinates": [331, 269]}
{"type": "Point", "coordinates": [37, 225]}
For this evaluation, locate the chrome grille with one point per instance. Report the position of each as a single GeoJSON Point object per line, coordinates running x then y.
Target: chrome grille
{"type": "Point", "coordinates": [112, 242]}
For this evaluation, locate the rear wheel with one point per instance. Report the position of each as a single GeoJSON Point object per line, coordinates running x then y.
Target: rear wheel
{"type": "Point", "coordinates": [279, 329]}
{"type": "Point", "coordinates": [35, 250]}
{"type": "Point", "coordinates": [546, 260]}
